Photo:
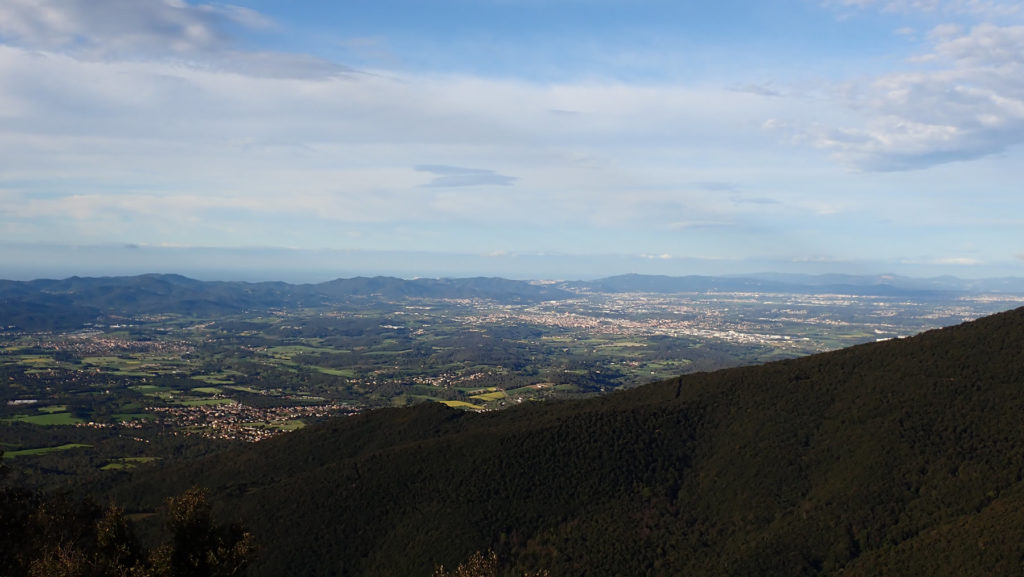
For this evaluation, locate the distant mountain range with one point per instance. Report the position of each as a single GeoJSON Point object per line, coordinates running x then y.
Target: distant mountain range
{"type": "Point", "coordinates": [72, 302]}
{"type": "Point", "coordinates": [862, 285]}
{"type": "Point", "coordinates": [901, 457]}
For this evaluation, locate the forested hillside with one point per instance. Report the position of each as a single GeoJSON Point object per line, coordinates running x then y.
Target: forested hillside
{"type": "Point", "coordinates": [45, 304]}
{"type": "Point", "coordinates": [900, 457]}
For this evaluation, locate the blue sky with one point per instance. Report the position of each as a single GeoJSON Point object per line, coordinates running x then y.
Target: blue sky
{"type": "Point", "coordinates": [528, 138]}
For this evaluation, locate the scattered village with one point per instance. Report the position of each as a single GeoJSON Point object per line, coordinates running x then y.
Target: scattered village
{"type": "Point", "coordinates": [234, 420]}
{"type": "Point", "coordinates": [148, 368]}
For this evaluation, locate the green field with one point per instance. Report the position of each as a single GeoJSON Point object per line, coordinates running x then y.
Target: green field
{"type": "Point", "coordinates": [449, 352]}
{"type": "Point", "coordinates": [348, 373]}
{"type": "Point", "coordinates": [127, 463]}
{"type": "Point", "coordinates": [42, 450]}
{"type": "Point", "coordinates": [47, 419]}
{"type": "Point", "coordinates": [166, 395]}
{"type": "Point", "coordinates": [36, 360]}
{"type": "Point", "coordinates": [288, 351]}
{"type": "Point", "coordinates": [218, 378]}
{"type": "Point", "coordinates": [149, 389]}
{"type": "Point", "coordinates": [204, 402]}
{"type": "Point", "coordinates": [244, 389]}
{"type": "Point", "coordinates": [113, 362]}
{"type": "Point", "coordinates": [213, 380]}
{"type": "Point", "coordinates": [131, 367]}
{"type": "Point", "coordinates": [495, 396]}
{"type": "Point", "coordinates": [53, 409]}
{"type": "Point", "coordinates": [462, 405]}
{"type": "Point", "coordinates": [529, 390]}
{"type": "Point", "coordinates": [207, 390]}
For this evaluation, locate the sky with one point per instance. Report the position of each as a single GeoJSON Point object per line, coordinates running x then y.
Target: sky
{"type": "Point", "coordinates": [306, 140]}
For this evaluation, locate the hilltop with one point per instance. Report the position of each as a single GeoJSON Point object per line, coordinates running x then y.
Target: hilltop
{"type": "Point", "coordinates": [897, 457]}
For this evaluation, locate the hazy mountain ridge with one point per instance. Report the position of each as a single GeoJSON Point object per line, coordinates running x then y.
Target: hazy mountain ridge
{"type": "Point", "coordinates": [888, 285]}
{"type": "Point", "coordinates": [901, 456]}
{"type": "Point", "coordinates": [69, 303]}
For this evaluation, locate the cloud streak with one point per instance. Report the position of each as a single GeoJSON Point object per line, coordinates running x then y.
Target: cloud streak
{"type": "Point", "coordinates": [456, 176]}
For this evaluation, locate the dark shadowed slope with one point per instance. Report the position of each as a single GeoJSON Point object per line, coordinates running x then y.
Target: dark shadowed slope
{"type": "Point", "coordinates": [902, 457]}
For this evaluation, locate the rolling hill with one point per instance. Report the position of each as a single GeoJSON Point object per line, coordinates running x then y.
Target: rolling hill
{"type": "Point", "coordinates": [46, 304]}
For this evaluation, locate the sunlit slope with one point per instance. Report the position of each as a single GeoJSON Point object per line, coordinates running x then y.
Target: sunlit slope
{"type": "Point", "coordinates": [900, 457]}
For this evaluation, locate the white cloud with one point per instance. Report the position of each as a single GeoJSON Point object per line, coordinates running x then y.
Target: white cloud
{"type": "Point", "coordinates": [959, 261]}
{"type": "Point", "coordinates": [122, 26]}
{"type": "Point", "coordinates": [986, 45]}
{"type": "Point", "coordinates": [818, 259]}
{"type": "Point", "coordinates": [968, 104]}
{"type": "Point", "coordinates": [989, 9]}
{"type": "Point", "coordinates": [161, 127]}
{"type": "Point", "coordinates": [906, 32]}
{"type": "Point", "coordinates": [759, 88]}
{"type": "Point", "coordinates": [994, 9]}
{"type": "Point", "coordinates": [152, 111]}
{"type": "Point", "coordinates": [690, 224]}
{"type": "Point", "coordinates": [200, 35]}
{"type": "Point", "coordinates": [162, 139]}
{"type": "Point", "coordinates": [946, 261]}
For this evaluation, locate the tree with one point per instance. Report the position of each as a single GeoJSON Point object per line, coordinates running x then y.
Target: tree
{"type": "Point", "coordinates": [198, 548]}
{"type": "Point", "coordinates": [480, 565]}
{"type": "Point", "coordinates": [52, 535]}
{"type": "Point", "coordinates": [117, 548]}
